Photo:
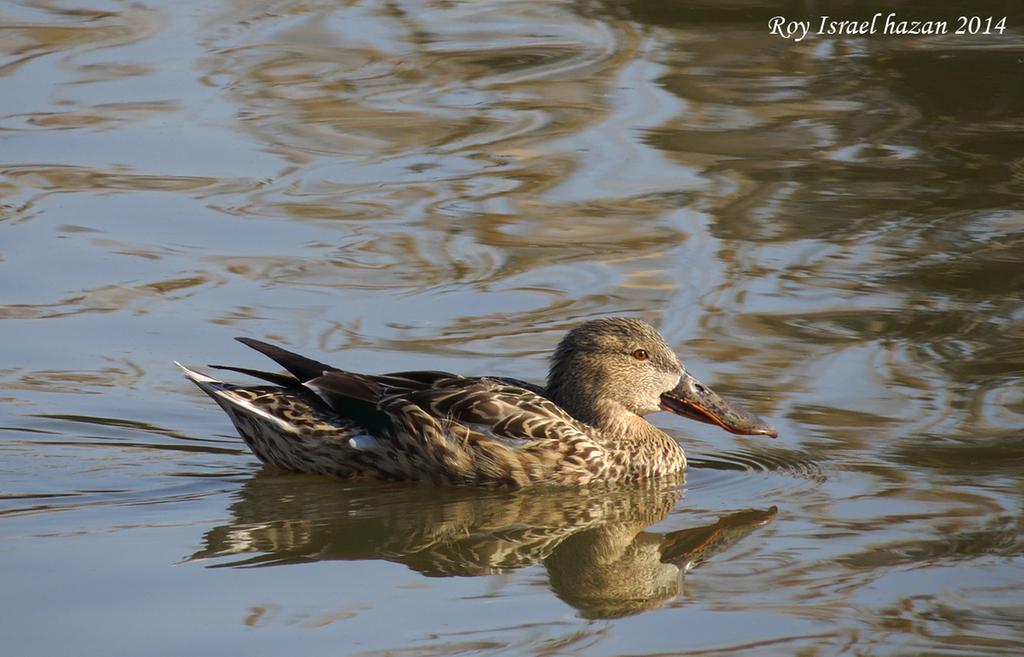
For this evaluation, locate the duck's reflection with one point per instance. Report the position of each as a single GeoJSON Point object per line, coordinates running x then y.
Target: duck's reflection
{"type": "Point", "coordinates": [593, 543]}
{"type": "Point", "coordinates": [618, 569]}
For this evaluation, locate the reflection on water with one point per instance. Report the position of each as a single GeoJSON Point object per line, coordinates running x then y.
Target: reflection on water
{"type": "Point", "coordinates": [593, 543]}
{"type": "Point", "coordinates": [830, 230]}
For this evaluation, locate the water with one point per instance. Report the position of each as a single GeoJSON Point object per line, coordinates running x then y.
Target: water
{"type": "Point", "coordinates": [830, 233]}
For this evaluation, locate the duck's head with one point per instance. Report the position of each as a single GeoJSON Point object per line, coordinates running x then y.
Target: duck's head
{"type": "Point", "coordinates": [606, 367]}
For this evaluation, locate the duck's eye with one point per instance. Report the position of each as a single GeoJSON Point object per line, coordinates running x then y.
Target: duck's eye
{"type": "Point", "coordinates": [641, 354]}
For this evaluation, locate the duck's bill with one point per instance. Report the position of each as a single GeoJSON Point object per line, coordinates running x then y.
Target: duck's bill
{"type": "Point", "coordinates": [694, 400]}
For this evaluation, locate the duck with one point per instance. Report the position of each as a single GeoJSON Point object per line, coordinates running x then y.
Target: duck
{"type": "Point", "coordinates": [586, 425]}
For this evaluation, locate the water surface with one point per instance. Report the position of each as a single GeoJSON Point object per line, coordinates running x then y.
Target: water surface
{"type": "Point", "coordinates": [829, 232]}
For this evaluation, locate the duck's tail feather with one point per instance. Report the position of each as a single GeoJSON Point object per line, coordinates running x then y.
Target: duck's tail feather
{"type": "Point", "coordinates": [285, 380]}
{"type": "Point", "coordinates": [302, 368]}
{"type": "Point", "coordinates": [207, 384]}
{"type": "Point", "coordinates": [234, 403]}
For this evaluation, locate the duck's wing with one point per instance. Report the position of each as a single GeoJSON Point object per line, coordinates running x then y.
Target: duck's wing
{"type": "Point", "coordinates": [498, 409]}
{"type": "Point", "coordinates": [494, 408]}
{"type": "Point", "coordinates": [508, 409]}
{"type": "Point", "coordinates": [487, 432]}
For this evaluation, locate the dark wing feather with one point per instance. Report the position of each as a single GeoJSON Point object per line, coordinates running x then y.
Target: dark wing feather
{"type": "Point", "coordinates": [300, 367]}
{"type": "Point", "coordinates": [337, 387]}
{"type": "Point", "coordinates": [355, 396]}
{"type": "Point", "coordinates": [306, 369]}
{"type": "Point", "coordinates": [284, 380]}
{"type": "Point", "coordinates": [360, 396]}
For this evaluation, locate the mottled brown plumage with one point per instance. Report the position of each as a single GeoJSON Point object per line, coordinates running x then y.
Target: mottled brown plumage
{"type": "Point", "coordinates": [585, 426]}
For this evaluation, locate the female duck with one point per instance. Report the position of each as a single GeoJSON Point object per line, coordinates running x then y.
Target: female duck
{"type": "Point", "coordinates": [586, 425]}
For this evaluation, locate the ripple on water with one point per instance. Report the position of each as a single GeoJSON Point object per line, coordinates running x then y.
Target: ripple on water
{"type": "Point", "coordinates": [60, 462]}
{"type": "Point", "coordinates": [761, 473]}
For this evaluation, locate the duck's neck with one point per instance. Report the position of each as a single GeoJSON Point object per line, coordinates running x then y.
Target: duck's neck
{"type": "Point", "coordinates": [648, 450]}
{"type": "Point", "coordinates": [583, 396]}
{"type": "Point", "coordinates": [611, 419]}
